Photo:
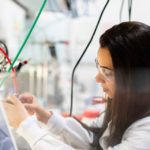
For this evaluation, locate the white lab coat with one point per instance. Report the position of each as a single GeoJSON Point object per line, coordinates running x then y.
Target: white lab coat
{"type": "Point", "coordinates": [67, 134]}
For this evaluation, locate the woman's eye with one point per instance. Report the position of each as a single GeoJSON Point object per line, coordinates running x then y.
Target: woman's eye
{"type": "Point", "coordinates": [107, 72]}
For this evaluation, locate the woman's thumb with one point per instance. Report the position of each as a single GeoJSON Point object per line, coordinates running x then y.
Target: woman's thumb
{"type": "Point", "coordinates": [31, 108]}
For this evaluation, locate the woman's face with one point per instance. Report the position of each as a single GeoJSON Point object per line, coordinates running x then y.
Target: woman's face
{"type": "Point", "coordinates": [105, 74]}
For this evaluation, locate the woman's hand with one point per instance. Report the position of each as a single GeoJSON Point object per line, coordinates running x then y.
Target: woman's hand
{"type": "Point", "coordinates": [33, 107]}
{"type": "Point", "coordinates": [15, 111]}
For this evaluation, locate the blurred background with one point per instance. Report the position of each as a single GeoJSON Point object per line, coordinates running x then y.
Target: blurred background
{"type": "Point", "coordinates": [56, 43]}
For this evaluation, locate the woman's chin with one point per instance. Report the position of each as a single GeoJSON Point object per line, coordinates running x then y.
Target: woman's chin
{"type": "Point", "coordinates": [109, 95]}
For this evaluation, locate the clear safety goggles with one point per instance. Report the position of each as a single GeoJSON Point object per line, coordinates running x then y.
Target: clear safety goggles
{"type": "Point", "coordinates": [107, 73]}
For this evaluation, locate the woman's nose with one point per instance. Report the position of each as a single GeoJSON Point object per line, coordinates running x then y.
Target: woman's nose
{"type": "Point", "coordinates": [100, 78]}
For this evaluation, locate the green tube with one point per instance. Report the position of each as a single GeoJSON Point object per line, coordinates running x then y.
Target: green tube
{"type": "Point", "coordinates": [25, 41]}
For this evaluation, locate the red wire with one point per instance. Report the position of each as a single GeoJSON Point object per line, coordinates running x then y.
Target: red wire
{"type": "Point", "coordinates": [13, 70]}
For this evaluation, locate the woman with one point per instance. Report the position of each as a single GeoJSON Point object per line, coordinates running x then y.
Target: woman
{"type": "Point", "coordinates": [124, 72]}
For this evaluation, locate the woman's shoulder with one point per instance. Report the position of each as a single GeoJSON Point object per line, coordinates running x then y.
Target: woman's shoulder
{"type": "Point", "coordinates": [141, 122]}
{"type": "Point", "coordinates": [139, 127]}
{"type": "Point", "coordinates": [136, 137]}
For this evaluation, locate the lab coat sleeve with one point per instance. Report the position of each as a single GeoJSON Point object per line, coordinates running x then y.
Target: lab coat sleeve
{"type": "Point", "coordinates": [70, 131]}
{"type": "Point", "coordinates": [137, 137]}
{"type": "Point", "coordinates": [5, 141]}
{"type": "Point", "coordinates": [38, 138]}
{"type": "Point", "coordinates": [98, 122]}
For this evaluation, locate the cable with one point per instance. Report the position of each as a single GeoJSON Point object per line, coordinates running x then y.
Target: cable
{"type": "Point", "coordinates": [21, 5]}
{"type": "Point", "coordinates": [13, 70]}
{"type": "Point", "coordinates": [5, 47]}
{"type": "Point", "coordinates": [73, 72]}
{"type": "Point", "coordinates": [20, 65]}
{"type": "Point", "coordinates": [121, 10]}
{"type": "Point", "coordinates": [129, 8]}
{"type": "Point", "coordinates": [25, 41]}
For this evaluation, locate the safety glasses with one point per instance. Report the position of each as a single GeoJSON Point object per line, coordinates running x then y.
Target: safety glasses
{"type": "Point", "coordinates": [107, 73]}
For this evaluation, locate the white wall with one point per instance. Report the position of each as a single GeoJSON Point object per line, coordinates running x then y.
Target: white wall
{"type": "Point", "coordinates": [11, 24]}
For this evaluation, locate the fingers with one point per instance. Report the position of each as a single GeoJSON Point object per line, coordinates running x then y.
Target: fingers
{"type": "Point", "coordinates": [7, 105]}
{"type": "Point", "coordinates": [15, 111]}
{"type": "Point", "coordinates": [26, 98]}
{"type": "Point", "coordinates": [31, 108]}
{"type": "Point", "coordinates": [12, 100]}
{"type": "Point", "coordinates": [29, 102]}
{"type": "Point", "coordinates": [9, 102]}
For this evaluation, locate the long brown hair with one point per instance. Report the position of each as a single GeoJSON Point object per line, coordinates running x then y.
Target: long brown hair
{"type": "Point", "coordinates": [129, 46]}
